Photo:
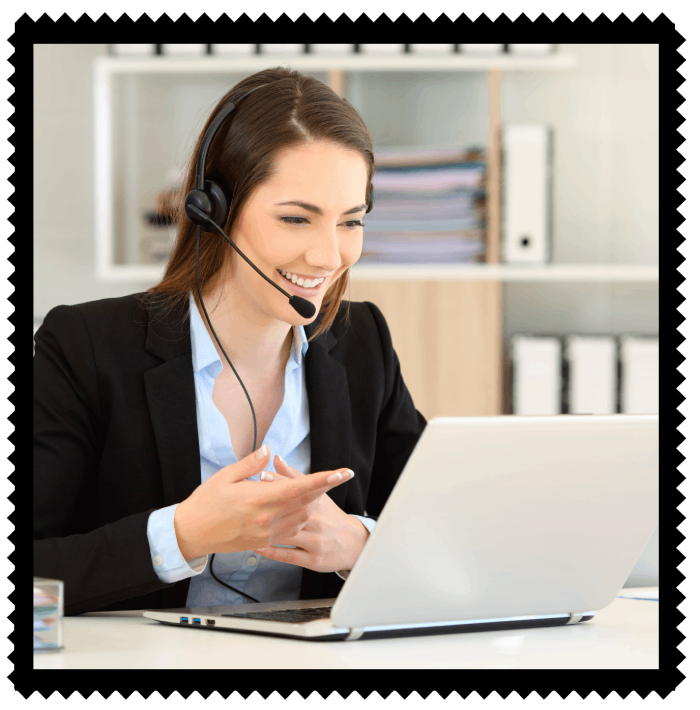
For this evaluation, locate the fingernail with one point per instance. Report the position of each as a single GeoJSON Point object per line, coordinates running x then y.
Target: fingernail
{"type": "Point", "coordinates": [282, 460]}
{"type": "Point", "coordinates": [262, 452]}
{"type": "Point", "coordinates": [339, 475]}
{"type": "Point", "coordinates": [263, 476]}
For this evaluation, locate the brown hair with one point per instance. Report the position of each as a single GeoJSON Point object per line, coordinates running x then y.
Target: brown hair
{"type": "Point", "coordinates": [291, 110]}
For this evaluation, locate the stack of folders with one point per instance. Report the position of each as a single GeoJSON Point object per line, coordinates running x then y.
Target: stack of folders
{"type": "Point", "coordinates": [585, 374]}
{"type": "Point", "coordinates": [429, 206]}
{"type": "Point", "coordinates": [330, 49]}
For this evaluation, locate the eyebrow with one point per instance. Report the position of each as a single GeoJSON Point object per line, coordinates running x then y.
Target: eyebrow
{"type": "Point", "coordinates": [318, 210]}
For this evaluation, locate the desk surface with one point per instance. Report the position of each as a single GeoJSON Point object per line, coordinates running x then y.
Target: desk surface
{"type": "Point", "coordinates": [623, 635]}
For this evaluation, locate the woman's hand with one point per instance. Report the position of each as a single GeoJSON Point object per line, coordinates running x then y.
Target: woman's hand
{"type": "Point", "coordinates": [330, 541]}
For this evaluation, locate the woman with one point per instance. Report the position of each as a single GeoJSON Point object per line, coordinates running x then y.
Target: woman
{"type": "Point", "coordinates": [146, 493]}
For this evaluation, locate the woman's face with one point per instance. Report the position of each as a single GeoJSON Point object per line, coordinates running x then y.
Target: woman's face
{"type": "Point", "coordinates": [320, 239]}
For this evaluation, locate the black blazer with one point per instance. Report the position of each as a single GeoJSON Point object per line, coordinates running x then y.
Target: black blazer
{"type": "Point", "coordinates": [115, 438]}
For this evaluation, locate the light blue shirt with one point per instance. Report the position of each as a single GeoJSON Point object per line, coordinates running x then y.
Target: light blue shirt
{"type": "Point", "coordinates": [260, 577]}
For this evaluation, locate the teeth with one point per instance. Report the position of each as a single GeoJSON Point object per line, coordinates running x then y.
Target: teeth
{"type": "Point", "coordinates": [306, 283]}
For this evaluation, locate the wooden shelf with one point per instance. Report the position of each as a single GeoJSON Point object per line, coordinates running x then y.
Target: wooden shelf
{"type": "Point", "coordinates": [212, 64]}
{"type": "Point", "coordinates": [574, 273]}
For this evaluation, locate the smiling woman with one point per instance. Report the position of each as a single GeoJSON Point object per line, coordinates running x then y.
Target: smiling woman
{"type": "Point", "coordinates": [303, 146]}
{"type": "Point", "coordinates": [295, 136]}
{"type": "Point", "coordinates": [147, 493]}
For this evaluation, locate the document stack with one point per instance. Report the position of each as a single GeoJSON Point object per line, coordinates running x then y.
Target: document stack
{"type": "Point", "coordinates": [591, 374]}
{"type": "Point", "coordinates": [429, 207]}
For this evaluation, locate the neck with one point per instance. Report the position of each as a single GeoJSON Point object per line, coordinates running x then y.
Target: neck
{"type": "Point", "coordinates": [259, 348]}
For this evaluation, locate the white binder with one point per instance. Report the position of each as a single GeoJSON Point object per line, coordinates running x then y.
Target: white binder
{"type": "Point", "coordinates": [536, 374]}
{"type": "Point", "coordinates": [527, 149]}
{"type": "Point", "coordinates": [531, 49]}
{"type": "Point", "coordinates": [282, 49]}
{"type": "Point", "coordinates": [639, 360]}
{"type": "Point", "coordinates": [235, 50]}
{"type": "Point", "coordinates": [592, 385]}
{"type": "Point", "coordinates": [481, 48]}
{"type": "Point", "coordinates": [183, 49]}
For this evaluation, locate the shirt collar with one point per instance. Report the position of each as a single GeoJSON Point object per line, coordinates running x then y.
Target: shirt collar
{"type": "Point", "coordinates": [203, 350]}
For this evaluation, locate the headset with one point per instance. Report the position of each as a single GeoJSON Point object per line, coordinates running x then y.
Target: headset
{"type": "Point", "coordinates": [207, 206]}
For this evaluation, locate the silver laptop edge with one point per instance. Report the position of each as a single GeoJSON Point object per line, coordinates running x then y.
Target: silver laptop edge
{"type": "Point", "coordinates": [494, 520]}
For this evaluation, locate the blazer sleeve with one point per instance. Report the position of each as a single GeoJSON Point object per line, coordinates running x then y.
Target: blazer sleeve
{"type": "Point", "coordinates": [111, 562]}
{"type": "Point", "coordinates": [399, 427]}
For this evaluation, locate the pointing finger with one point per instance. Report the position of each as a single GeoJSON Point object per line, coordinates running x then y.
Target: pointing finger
{"type": "Point", "coordinates": [285, 469]}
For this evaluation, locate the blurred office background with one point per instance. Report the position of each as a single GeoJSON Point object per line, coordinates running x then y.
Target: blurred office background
{"type": "Point", "coordinates": [514, 246]}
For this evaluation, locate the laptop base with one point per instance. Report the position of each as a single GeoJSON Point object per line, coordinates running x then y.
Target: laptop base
{"type": "Point", "coordinates": [403, 631]}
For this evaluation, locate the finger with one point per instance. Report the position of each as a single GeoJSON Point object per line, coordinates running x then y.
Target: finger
{"type": "Point", "coordinates": [285, 554]}
{"type": "Point", "coordinates": [304, 489]}
{"type": "Point", "coordinates": [269, 476]}
{"type": "Point", "coordinates": [285, 469]}
{"type": "Point", "coordinates": [246, 467]}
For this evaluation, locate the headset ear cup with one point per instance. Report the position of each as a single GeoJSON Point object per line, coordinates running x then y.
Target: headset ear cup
{"type": "Point", "coordinates": [220, 200]}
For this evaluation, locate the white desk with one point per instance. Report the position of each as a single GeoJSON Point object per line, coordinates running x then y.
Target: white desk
{"type": "Point", "coordinates": [623, 635]}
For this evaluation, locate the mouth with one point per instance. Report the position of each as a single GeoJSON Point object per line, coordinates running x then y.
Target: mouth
{"type": "Point", "coordinates": [301, 290]}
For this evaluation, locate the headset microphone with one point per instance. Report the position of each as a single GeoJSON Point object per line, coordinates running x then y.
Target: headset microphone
{"type": "Point", "coordinates": [207, 206]}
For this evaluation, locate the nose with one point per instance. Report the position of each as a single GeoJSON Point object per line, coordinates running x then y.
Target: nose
{"type": "Point", "coordinates": [324, 253]}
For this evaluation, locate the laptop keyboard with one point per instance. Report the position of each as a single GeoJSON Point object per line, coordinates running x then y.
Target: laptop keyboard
{"type": "Point", "coordinates": [290, 616]}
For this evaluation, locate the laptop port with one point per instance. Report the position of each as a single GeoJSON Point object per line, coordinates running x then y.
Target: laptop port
{"type": "Point", "coordinates": [197, 621]}
{"type": "Point", "coordinates": [184, 619]}
{"type": "Point", "coordinates": [210, 622]}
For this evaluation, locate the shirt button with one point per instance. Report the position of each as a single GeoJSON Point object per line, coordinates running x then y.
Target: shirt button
{"type": "Point", "coordinates": [157, 560]}
{"type": "Point", "coordinates": [251, 560]}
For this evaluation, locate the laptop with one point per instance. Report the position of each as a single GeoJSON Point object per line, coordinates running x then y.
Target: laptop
{"type": "Point", "coordinates": [501, 522]}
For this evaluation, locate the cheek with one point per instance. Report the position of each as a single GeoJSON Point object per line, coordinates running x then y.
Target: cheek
{"type": "Point", "coordinates": [352, 250]}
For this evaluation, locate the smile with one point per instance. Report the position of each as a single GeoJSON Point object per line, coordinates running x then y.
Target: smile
{"type": "Point", "coordinates": [305, 284]}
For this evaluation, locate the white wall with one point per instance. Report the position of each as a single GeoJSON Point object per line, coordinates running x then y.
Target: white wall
{"type": "Point", "coordinates": [63, 179]}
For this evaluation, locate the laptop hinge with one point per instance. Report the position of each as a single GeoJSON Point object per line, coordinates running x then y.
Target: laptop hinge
{"type": "Point", "coordinates": [354, 634]}
{"type": "Point", "coordinates": [574, 618]}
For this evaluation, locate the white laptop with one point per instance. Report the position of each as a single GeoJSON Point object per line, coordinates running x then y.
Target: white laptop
{"type": "Point", "coordinates": [495, 523]}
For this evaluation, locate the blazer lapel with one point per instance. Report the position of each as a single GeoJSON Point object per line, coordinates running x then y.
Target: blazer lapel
{"type": "Point", "coordinates": [329, 415]}
{"type": "Point", "coordinates": [172, 404]}
{"type": "Point", "coordinates": [331, 435]}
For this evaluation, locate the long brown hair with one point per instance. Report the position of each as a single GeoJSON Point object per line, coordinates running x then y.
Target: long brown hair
{"type": "Point", "coordinates": [293, 109]}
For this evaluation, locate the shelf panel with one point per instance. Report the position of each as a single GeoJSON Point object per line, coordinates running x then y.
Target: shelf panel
{"type": "Point", "coordinates": [582, 273]}
{"type": "Point", "coordinates": [211, 64]}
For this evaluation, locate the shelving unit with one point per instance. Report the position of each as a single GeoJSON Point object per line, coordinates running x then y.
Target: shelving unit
{"type": "Point", "coordinates": [573, 273]}
{"type": "Point", "coordinates": [107, 68]}
{"type": "Point", "coordinates": [446, 320]}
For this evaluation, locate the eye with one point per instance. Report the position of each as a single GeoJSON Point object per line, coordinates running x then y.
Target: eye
{"type": "Point", "coordinates": [292, 220]}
